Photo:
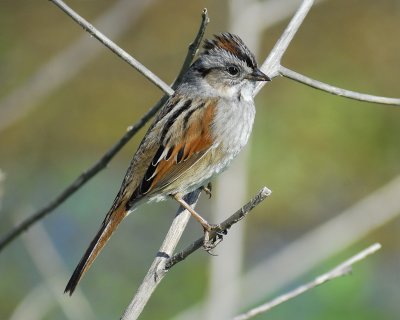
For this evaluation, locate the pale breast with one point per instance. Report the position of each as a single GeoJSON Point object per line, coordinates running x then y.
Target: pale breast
{"type": "Point", "coordinates": [232, 128]}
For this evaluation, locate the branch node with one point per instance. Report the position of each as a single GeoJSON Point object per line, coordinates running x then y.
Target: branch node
{"type": "Point", "coordinates": [222, 227]}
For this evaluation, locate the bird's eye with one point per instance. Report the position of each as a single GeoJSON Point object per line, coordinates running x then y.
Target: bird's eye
{"type": "Point", "coordinates": [233, 70]}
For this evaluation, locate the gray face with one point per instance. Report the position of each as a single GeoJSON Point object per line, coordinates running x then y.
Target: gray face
{"type": "Point", "coordinates": [226, 68]}
{"type": "Point", "coordinates": [224, 72]}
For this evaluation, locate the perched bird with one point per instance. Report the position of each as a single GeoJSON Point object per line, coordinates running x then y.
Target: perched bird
{"type": "Point", "coordinates": [196, 134]}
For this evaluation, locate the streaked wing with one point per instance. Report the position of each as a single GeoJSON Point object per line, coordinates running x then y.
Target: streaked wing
{"type": "Point", "coordinates": [183, 143]}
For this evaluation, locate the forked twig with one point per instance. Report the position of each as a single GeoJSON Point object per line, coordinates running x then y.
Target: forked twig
{"type": "Point", "coordinates": [272, 65]}
{"type": "Point", "coordinates": [223, 227]}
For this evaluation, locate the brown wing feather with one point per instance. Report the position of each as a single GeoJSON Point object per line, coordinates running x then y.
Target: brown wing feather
{"type": "Point", "coordinates": [182, 152]}
{"type": "Point", "coordinates": [170, 170]}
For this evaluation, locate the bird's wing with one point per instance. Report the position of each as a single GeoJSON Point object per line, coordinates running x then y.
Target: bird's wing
{"type": "Point", "coordinates": [187, 140]}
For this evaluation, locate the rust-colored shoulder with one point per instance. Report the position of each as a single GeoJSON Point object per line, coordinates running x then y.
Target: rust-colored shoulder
{"type": "Point", "coordinates": [186, 146]}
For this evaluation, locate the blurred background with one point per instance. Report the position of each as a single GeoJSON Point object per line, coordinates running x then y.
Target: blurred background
{"type": "Point", "coordinates": [332, 163]}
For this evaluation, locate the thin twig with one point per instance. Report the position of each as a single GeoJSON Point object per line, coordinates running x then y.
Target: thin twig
{"type": "Point", "coordinates": [106, 158]}
{"type": "Point", "coordinates": [113, 47]}
{"type": "Point", "coordinates": [340, 270]}
{"type": "Point", "coordinates": [69, 62]}
{"type": "Point", "coordinates": [354, 223]}
{"type": "Point", "coordinates": [79, 181]}
{"type": "Point", "coordinates": [194, 46]}
{"type": "Point", "coordinates": [335, 90]}
{"type": "Point", "coordinates": [222, 227]}
{"type": "Point", "coordinates": [272, 63]}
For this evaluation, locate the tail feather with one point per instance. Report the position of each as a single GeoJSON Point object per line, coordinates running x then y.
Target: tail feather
{"type": "Point", "coordinates": [107, 228]}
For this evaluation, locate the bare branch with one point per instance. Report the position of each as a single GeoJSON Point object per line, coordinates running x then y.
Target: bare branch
{"type": "Point", "coordinates": [157, 270]}
{"type": "Point", "coordinates": [221, 228]}
{"type": "Point", "coordinates": [162, 263]}
{"type": "Point", "coordinates": [79, 181]}
{"type": "Point", "coordinates": [273, 68]}
{"type": "Point", "coordinates": [106, 158]}
{"type": "Point", "coordinates": [340, 270]}
{"type": "Point", "coordinates": [113, 47]}
{"type": "Point", "coordinates": [335, 90]}
{"type": "Point", "coordinates": [194, 46]}
{"type": "Point", "coordinates": [272, 63]}
{"type": "Point", "coordinates": [65, 65]}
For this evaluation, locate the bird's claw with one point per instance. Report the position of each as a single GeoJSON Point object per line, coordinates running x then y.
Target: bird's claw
{"type": "Point", "coordinates": [212, 237]}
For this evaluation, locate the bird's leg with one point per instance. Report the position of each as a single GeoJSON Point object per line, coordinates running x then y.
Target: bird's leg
{"type": "Point", "coordinates": [209, 243]}
{"type": "Point", "coordinates": [207, 189]}
{"type": "Point", "coordinates": [207, 227]}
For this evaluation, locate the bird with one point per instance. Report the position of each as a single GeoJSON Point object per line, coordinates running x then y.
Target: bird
{"type": "Point", "coordinates": [200, 129]}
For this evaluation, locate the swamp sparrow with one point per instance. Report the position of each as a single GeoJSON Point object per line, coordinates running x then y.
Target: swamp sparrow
{"type": "Point", "coordinates": [196, 134]}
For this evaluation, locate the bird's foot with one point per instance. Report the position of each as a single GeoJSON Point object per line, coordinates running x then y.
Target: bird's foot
{"type": "Point", "coordinates": [213, 235]}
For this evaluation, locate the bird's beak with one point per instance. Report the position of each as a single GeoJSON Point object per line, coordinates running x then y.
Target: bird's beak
{"type": "Point", "coordinates": [258, 75]}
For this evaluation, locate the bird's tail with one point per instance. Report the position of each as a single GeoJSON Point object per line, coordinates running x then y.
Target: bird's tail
{"type": "Point", "coordinates": [109, 225]}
